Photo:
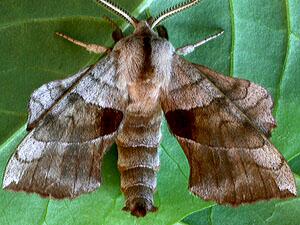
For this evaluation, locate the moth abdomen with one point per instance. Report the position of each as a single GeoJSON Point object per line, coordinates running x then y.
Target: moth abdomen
{"type": "Point", "coordinates": [138, 161]}
{"type": "Point", "coordinates": [138, 167]}
{"type": "Point", "coordinates": [137, 157]}
{"type": "Point", "coordinates": [139, 200]}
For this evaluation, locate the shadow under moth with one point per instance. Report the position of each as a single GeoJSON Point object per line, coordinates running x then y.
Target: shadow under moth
{"type": "Point", "coordinates": [222, 124]}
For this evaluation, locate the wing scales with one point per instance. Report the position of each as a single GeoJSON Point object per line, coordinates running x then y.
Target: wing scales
{"type": "Point", "coordinates": [231, 160]}
{"type": "Point", "coordinates": [61, 156]}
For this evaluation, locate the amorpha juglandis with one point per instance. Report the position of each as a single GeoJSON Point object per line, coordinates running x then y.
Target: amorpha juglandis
{"type": "Point", "coordinates": [222, 124]}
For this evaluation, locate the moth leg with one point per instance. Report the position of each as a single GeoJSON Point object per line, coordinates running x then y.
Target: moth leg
{"type": "Point", "coordinates": [190, 48]}
{"type": "Point", "coordinates": [117, 34]}
{"type": "Point", "coordinates": [98, 49]}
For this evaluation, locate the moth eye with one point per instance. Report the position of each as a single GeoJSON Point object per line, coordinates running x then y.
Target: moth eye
{"type": "Point", "coordinates": [162, 32]}
{"type": "Point", "coordinates": [117, 35]}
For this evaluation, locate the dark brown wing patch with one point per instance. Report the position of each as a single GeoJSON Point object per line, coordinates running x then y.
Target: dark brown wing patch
{"type": "Point", "coordinates": [215, 125]}
{"type": "Point", "coordinates": [62, 156]}
{"type": "Point", "coordinates": [73, 121]}
{"type": "Point", "coordinates": [221, 125]}
{"type": "Point", "coordinates": [78, 121]}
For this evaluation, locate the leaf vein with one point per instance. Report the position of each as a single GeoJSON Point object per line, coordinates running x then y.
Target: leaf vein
{"type": "Point", "coordinates": [280, 81]}
{"type": "Point", "coordinates": [232, 38]}
{"type": "Point", "coordinates": [12, 113]}
{"type": "Point", "coordinates": [45, 20]}
{"type": "Point", "coordinates": [176, 163]}
{"type": "Point", "coordinates": [44, 216]}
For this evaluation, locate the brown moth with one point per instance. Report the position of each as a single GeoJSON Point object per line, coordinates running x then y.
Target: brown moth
{"type": "Point", "coordinates": [222, 124]}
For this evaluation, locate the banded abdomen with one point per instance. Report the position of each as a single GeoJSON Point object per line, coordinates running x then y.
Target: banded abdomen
{"type": "Point", "coordinates": [138, 159]}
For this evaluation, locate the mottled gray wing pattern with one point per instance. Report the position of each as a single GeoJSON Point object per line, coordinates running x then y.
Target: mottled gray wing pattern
{"type": "Point", "coordinates": [48, 94]}
{"type": "Point", "coordinates": [221, 124]}
{"type": "Point", "coordinates": [250, 98]}
{"type": "Point", "coordinates": [73, 122]}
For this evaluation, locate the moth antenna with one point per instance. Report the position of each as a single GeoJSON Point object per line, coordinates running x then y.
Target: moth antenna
{"type": "Point", "coordinates": [119, 11]}
{"type": "Point", "coordinates": [173, 10]}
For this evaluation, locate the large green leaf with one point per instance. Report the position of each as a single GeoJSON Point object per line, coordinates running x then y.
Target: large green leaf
{"type": "Point", "coordinates": [33, 55]}
{"type": "Point", "coordinates": [262, 213]}
{"type": "Point", "coordinates": [261, 43]}
{"type": "Point", "coordinates": [265, 49]}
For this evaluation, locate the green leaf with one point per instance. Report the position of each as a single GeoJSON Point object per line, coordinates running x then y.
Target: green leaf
{"type": "Point", "coordinates": [262, 213]}
{"type": "Point", "coordinates": [261, 43]}
{"type": "Point", "coordinates": [33, 55]}
{"type": "Point", "coordinates": [265, 49]}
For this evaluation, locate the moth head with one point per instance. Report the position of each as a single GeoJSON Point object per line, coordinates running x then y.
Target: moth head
{"type": "Point", "coordinates": [151, 22]}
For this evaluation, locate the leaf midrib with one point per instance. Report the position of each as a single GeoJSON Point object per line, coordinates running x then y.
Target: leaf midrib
{"type": "Point", "coordinates": [48, 19]}
{"type": "Point", "coordinates": [231, 73]}
{"type": "Point", "coordinates": [282, 75]}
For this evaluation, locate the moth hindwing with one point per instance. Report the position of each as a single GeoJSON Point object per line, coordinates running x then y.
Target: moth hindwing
{"type": "Point", "coordinates": [222, 124]}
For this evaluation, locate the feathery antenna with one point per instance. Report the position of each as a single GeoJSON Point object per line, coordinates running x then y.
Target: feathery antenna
{"type": "Point", "coordinates": [173, 10]}
{"type": "Point", "coordinates": [119, 11]}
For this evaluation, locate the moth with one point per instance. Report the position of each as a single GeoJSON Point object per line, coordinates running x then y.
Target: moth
{"type": "Point", "coordinates": [223, 124]}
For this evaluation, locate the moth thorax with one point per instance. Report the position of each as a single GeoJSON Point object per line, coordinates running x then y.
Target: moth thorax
{"type": "Point", "coordinates": [162, 59]}
{"type": "Point", "coordinates": [144, 57]}
{"type": "Point", "coordinates": [143, 96]}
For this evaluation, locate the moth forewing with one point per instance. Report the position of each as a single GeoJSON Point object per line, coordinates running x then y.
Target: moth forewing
{"type": "Point", "coordinates": [231, 160]}
{"type": "Point", "coordinates": [221, 123]}
{"type": "Point", "coordinates": [61, 156]}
